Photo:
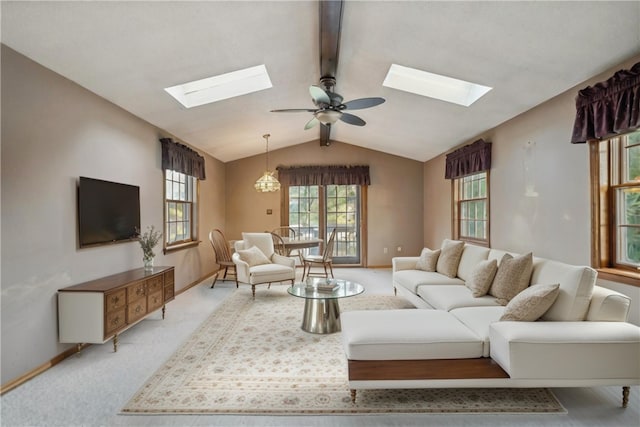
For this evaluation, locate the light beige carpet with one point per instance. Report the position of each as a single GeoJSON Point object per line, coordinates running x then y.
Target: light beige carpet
{"type": "Point", "coordinates": [251, 357]}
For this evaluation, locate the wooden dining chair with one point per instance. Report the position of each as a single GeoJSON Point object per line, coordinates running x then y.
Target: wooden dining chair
{"type": "Point", "coordinates": [325, 260]}
{"type": "Point", "coordinates": [223, 254]}
{"type": "Point", "coordinates": [278, 244]}
{"type": "Point", "coordinates": [286, 231]}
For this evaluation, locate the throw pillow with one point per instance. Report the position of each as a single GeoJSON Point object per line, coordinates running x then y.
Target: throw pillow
{"type": "Point", "coordinates": [428, 260]}
{"type": "Point", "coordinates": [512, 277]}
{"type": "Point", "coordinates": [530, 304]}
{"type": "Point", "coordinates": [482, 277]}
{"type": "Point", "coordinates": [253, 256]}
{"type": "Point", "coordinates": [449, 258]}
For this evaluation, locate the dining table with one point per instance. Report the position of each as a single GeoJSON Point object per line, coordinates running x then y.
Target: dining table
{"type": "Point", "coordinates": [292, 243]}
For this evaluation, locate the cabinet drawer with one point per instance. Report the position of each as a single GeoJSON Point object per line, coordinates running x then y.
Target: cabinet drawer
{"type": "Point", "coordinates": [154, 284]}
{"type": "Point", "coordinates": [115, 300]}
{"type": "Point", "coordinates": [136, 291]}
{"type": "Point", "coordinates": [114, 321]}
{"type": "Point", "coordinates": [168, 278]}
{"type": "Point", "coordinates": [154, 301]}
{"type": "Point", "coordinates": [136, 310]}
{"type": "Point", "coordinates": [168, 293]}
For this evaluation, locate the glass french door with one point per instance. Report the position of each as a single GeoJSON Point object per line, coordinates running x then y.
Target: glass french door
{"type": "Point", "coordinates": [315, 211]}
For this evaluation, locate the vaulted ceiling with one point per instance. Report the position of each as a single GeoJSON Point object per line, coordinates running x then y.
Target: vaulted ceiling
{"type": "Point", "coordinates": [127, 52]}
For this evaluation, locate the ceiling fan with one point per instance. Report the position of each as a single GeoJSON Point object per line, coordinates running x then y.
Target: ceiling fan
{"type": "Point", "coordinates": [330, 108]}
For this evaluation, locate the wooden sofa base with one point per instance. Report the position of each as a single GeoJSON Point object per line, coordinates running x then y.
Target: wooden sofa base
{"type": "Point", "coordinates": [432, 369]}
{"type": "Point", "coordinates": [440, 369]}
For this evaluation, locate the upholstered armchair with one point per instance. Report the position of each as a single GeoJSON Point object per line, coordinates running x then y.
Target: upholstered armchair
{"type": "Point", "coordinates": [256, 261]}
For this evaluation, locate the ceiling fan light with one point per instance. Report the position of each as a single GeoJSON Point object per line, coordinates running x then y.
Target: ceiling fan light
{"type": "Point", "coordinates": [328, 117]}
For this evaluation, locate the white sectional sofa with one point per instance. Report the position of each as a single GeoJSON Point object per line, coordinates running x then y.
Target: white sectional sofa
{"type": "Point", "coordinates": [455, 339]}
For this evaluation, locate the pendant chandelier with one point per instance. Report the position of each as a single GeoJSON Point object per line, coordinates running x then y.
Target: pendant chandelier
{"type": "Point", "coordinates": [267, 183]}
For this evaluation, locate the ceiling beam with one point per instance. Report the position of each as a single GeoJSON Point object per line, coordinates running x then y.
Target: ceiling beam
{"type": "Point", "coordinates": [330, 26]}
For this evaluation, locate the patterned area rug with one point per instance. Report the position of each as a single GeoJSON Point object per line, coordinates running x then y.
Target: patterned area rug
{"type": "Point", "coordinates": [251, 357]}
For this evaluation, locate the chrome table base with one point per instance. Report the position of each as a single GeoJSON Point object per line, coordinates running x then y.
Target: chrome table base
{"type": "Point", "coordinates": [321, 316]}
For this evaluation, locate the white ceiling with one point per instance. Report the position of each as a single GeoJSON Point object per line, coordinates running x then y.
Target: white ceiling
{"type": "Point", "coordinates": [127, 52]}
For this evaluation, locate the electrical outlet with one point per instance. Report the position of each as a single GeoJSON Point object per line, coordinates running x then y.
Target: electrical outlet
{"type": "Point", "coordinates": [269, 211]}
{"type": "Point", "coordinates": [385, 250]}
{"type": "Point", "coordinates": [399, 248]}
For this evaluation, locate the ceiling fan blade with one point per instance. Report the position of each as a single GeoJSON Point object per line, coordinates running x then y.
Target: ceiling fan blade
{"type": "Point", "coordinates": [319, 95]}
{"type": "Point", "coordinates": [336, 98]}
{"type": "Point", "coordinates": [359, 104]}
{"type": "Point", "coordinates": [311, 123]}
{"type": "Point", "coordinates": [294, 110]}
{"type": "Point", "coordinates": [352, 120]}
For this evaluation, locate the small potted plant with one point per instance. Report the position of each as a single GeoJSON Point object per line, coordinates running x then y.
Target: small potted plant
{"type": "Point", "coordinates": [148, 241]}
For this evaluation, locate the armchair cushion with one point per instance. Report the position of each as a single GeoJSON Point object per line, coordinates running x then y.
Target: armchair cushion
{"type": "Point", "coordinates": [253, 256]}
{"type": "Point", "coordinates": [263, 241]}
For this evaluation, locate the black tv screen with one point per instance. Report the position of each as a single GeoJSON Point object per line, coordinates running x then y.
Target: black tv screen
{"type": "Point", "coordinates": [108, 212]}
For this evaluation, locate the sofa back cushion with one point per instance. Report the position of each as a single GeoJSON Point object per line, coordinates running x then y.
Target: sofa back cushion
{"type": "Point", "coordinates": [449, 258]}
{"type": "Point", "coordinates": [472, 255]}
{"type": "Point", "coordinates": [576, 288]}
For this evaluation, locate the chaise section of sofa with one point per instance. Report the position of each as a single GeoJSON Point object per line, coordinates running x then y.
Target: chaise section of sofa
{"type": "Point", "coordinates": [581, 340]}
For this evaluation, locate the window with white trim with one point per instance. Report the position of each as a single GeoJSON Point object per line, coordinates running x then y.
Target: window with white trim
{"type": "Point", "coordinates": [615, 187]}
{"type": "Point", "coordinates": [471, 208]}
{"type": "Point", "coordinates": [180, 217]}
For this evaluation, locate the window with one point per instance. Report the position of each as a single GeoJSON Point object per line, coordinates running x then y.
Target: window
{"type": "Point", "coordinates": [181, 198]}
{"type": "Point", "coordinates": [315, 210]}
{"type": "Point", "coordinates": [615, 188]}
{"type": "Point", "coordinates": [471, 208]}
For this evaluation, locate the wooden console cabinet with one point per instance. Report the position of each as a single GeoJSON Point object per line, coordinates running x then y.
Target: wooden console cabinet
{"type": "Point", "coordinates": [96, 311]}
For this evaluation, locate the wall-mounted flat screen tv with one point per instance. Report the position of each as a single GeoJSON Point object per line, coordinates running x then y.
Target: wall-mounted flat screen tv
{"type": "Point", "coordinates": [108, 212]}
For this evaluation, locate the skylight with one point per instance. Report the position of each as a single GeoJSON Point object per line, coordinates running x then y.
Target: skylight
{"type": "Point", "coordinates": [434, 85]}
{"type": "Point", "coordinates": [221, 87]}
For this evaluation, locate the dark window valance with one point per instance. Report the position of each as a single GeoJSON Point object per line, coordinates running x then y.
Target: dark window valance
{"type": "Point", "coordinates": [608, 108]}
{"type": "Point", "coordinates": [180, 158]}
{"type": "Point", "coordinates": [324, 175]}
{"type": "Point", "coordinates": [469, 159]}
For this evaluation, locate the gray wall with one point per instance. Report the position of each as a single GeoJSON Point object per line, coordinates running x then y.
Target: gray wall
{"type": "Point", "coordinates": [54, 131]}
{"type": "Point", "coordinates": [555, 224]}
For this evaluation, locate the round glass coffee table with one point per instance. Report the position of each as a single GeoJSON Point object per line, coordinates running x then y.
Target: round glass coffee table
{"type": "Point", "coordinates": [321, 310]}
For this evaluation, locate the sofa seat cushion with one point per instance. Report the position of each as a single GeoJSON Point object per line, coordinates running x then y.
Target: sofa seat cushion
{"type": "Point", "coordinates": [478, 319]}
{"type": "Point", "coordinates": [411, 279]}
{"type": "Point", "coordinates": [567, 350]}
{"type": "Point", "coordinates": [446, 297]}
{"type": "Point", "coordinates": [410, 334]}
{"type": "Point", "coordinates": [270, 273]}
